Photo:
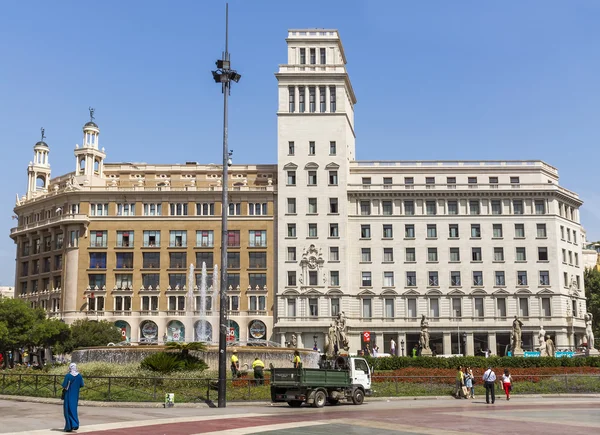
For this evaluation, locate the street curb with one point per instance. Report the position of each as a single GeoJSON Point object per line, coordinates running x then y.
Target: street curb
{"type": "Point", "coordinates": [89, 403]}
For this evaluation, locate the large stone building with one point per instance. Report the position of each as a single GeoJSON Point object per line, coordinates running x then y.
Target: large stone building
{"type": "Point", "coordinates": [114, 241]}
{"type": "Point", "coordinates": [469, 244]}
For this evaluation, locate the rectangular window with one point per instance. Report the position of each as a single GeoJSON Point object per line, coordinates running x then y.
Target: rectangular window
{"type": "Point", "coordinates": [497, 231]}
{"type": "Point", "coordinates": [499, 278]}
{"type": "Point", "coordinates": [544, 277]}
{"type": "Point", "coordinates": [365, 255]}
{"type": "Point", "coordinates": [124, 239]}
{"type": "Point", "coordinates": [493, 180]}
{"type": "Point", "coordinates": [476, 254]}
{"type": "Point", "coordinates": [518, 206]}
{"type": "Point", "coordinates": [496, 206]}
{"type": "Point", "coordinates": [205, 209]}
{"type": "Point", "coordinates": [434, 308]}
{"type": "Point", "coordinates": [367, 312]}
{"type": "Point", "coordinates": [257, 208]}
{"type": "Point", "coordinates": [430, 208]}
{"type": "Point", "coordinates": [151, 239]}
{"type": "Point", "coordinates": [205, 238]}
{"type": "Point", "coordinates": [233, 238]}
{"type": "Point", "coordinates": [333, 178]}
{"type": "Point", "coordinates": [365, 231]}
{"type": "Point", "coordinates": [151, 260]}
{"type": "Point", "coordinates": [313, 307]}
{"type": "Point", "coordinates": [177, 238]}
{"type": "Point", "coordinates": [410, 255]}
{"type": "Point", "coordinates": [519, 231]}
{"type": "Point", "coordinates": [409, 231]}
{"type": "Point", "coordinates": [523, 307]}
{"type": "Point", "coordinates": [411, 279]}
{"type": "Point", "coordinates": [233, 260]}
{"type": "Point", "coordinates": [334, 276]}
{"type": "Point", "coordinates": [454, 255]}
{"type": "Point", "coordinates": [474, 207]}
{"type": "Point", "coordinates": [335, 306]}
{"type": "Point", "coordinates": [388, 255]}
{"type": "Point", "coordinates": [291, 230]}
{"type": "Point", "coordinates": [450, 180]}
{"type": "Point", "coordinates": [257, 238]}
{"type": "Point", "coordinates": [432, 255]}
{"type": "Point", "coordinates": [233, 280]}
{"type": "Point", "coordinates": [546, 311]}
{"type": "Point", "coordinates": [124, 281]}
{"type": "Point", "coordinates": [433, 279]}
{"type": "Point", "coordinates": [409, 208]}
{"type": "Point", "coordinates": [97, 261]}
{"type": "Point", "coordinates": [388, 231]}
{"type": "Point", "coordinates": [452, 207]}
{"type": "Point", "coordinates": [456, 307]}
{"type": "Point", "coordinates": [322, 99]}
{"type": "Point", "coordinates": [292, 100]}
{"type": "Point", "coordinates": [568, 234]}
{"type": "Point", "coordinates": [311, 148]}
{"type": "Point", "coordinates": [178, 209]}
{"type": "Point", "coordinates": [333, 206]}
{"type": "Point", "coordinates": [389, 308]}
{"type": "Point", "coordinates": [99, 209]}
{"type": "Point", "coordinates": [522, 277]}
{"type": "Point", "coordinates": [387, 208]}
{"type": "Point", "coordinates": [431, 231]}
{"type": "Point", "coordinates": [291, 148]}
{"type": "Point", "coordinates": [177, 260]}
{"type": "Point", "coordinates": [388, 279]}
{"type": "Point", "coordinates": [312, 231]}
{"type": "Point", "coordinates": [97, 281]}
{"type": "Point", "coordinates": [125, 209]}
{"type": "Point", "coordinates": [477, 278]}
{"type": "Point", "coordinates": [334, 230]}
{"type": "Point", "coordinates": [478, 302]}
{"type": "Point", "coordinates": [257, 260]}
{"type": "Point", "coordinates": [291, 278]}
{"type": "Point", "coordinates": [521, 254]}
{"type": "Point", "coordinates": [323, 59]}
{"type": "Point", "coordinates": [334, 253]}
{"type": "Point", "coordinates": [291, 178]}
{"type": "Point", "coordinates": [543, 254]}
{"type": "Point", "coordinates": [124, 260]}
{"type": "Point", "coordinates": [257, 280]}
{"type": "Point", "coordinates": [152, 209]}
{"type": "Point", "coordinates": [313, 56]}
{"type": "Point", "coordinates": [150, 280]}
{"type": "Point", "coordinates": [472, 180]}
{"type": "Point", "coordinates": [312, 178]}
{"type": "Point", "coordinates": [312, 103]}
{"type": "Point", "coordinates": [291, 253]}
{"type": "Point", "coordinates": [301, 99]}
{"type": "Point", "coordinates": [366, 279]}
{"type": "Point", "coordinates": [409, 180]}
{"type": "Point", "coordinates": [98, 239]}
{"type": "Point", "coordinates": [332, 148]}
{"type": "Point", "coordinates": [411, 307]}
{"type": "Point", "coordinates": [365, 208]}
{"type": "Point", "coordinates": [291, 205]}
{"type": "Point", "coordinates": [501, 307]}
{"type": "Point", "coordinates": [475, 231]}
{"type": "Point", "coordinates": [235, 209]}
{"type": "Point", "coordinates": [514, 180]}
{"type": "Point", "coordinates": [303, 56]}
{"type": "Point", "coordinates": [540, 206]}
{"type": "Point", "coordinates": [205, 257]}
{"type": "Point", "coordinates": [498, 254]}
{"type": "Point", "coordinates": [387, 181]}
{"type": "Point", "coordinates": [453, 231]}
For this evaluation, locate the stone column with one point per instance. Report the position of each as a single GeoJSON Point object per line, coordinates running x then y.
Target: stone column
{"type": "Point", "coordinates": [282, 339]}
{"type": "Point", "coordinates": [69, 291]}
{"type": "Point", "coordinates": [300, 340]}
{"type": "Point", "coordinates": [447, 343]}
{"type": "Point", "coordinates": [470, 344]}
{"type": "Point", "coordinates": [561, 340]}
{"type": "Point", "coordinates": [492, 343]}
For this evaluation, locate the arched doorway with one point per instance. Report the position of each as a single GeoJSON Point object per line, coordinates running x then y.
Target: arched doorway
{"type": "Point", "coordinates": [125, 330]}
{"type": "Point", "coordinates": [233, 331]}
{"type": "Point", "coordinates": [148, 332]}
{"type": "Point", "coordinates": [203, 331]}
{"type": "Point", "coordinates": [175, 331]}
{"type": "Point", "coordinates": [257, 331]}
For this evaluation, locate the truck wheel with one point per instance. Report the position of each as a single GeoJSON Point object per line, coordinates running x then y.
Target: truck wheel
{"type": "Point", "coordinates": [358, 397]}
{"type": "Point", "coordinates": [334, 402]}
{"type": "Point", "coordinates": [295, 403]}
{"type": "Point", "coordinates": [320, 399]}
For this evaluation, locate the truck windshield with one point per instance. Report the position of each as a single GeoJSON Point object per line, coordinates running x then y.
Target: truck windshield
{"type": "Point", "coordinates": [361, 365]}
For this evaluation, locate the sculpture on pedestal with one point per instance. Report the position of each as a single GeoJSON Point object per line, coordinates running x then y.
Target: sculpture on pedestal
{"type": "Point", "coordinates": [589, 332]}
{"type": "Point", "coordinates": [550, 349]}
{"type": "Point", "coordinates": [541, 337]}
{"type": "Point", "coordinates": [424, 336]}
{"type": "Point", "coordinates": [337, 336]}
{"type": "Point", "coordinates": [294, 342]}
{"type": "Point", "coordinates": [517, 329]}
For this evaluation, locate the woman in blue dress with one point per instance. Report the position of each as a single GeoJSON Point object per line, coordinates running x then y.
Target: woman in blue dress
{"type": "Point", "coordinates": [72, 383]}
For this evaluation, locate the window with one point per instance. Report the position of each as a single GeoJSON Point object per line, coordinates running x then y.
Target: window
{"type": "Point", "coordinates": [257, 260]}
{"type": "Point", "coordinates": [99, 209]}
{"type": "Point", "coordinates": [498, 254]}
{"type": "Point", "coordinates": [546, 312]}
{"type": "Point", "coordinates": [514, 180]}
{"type": "Point", "coordinates": [257, 208]}
{"type": "Point", "coordinates": [233, 238]}
{"type": "Point", "coordinates": [334, 277]}
{"type": "Point", "coordinates": [322, 99]}
{"type": "Point", "coordinates": [366, 279]}
{"type": "Point", "coordinates": [523, 307]}
{"type": "Point", "coordinates": [450, 180]}
{"type": "Point", "coordinates": [475, 231]}
{"type": "Point", "coordinates": [333, 178]}
{"type": "Point", "coordinates": [568, 234]}
{"type": "Point", "coordinates": [430, 208]}
{"type": "Point", "coordinates": [365, 231]}
{"type": "Point", "coordinates": [472, 180]}
{"type": "Point", "coordinates": [334, 253]}
{"type": "Point", "coordinates": [571, 257]}
{"type": "Point", "coordinates": [497, 231]}
{"type": "Point", "coordinates": [177, 238]}
{"type": "Point", "coordinates": [410, 255]}
{"type": "Point", "coordinates": [98, 239]}
{"type": "Point", "coordinates": [453, 231]}
{"type": "Point", "coordinates": [291, 230]}
{"type": "Point", "coordinates": [433, 279]}
{"type": "Point", "coordinates": [96, 303]}
{"type": "Point", "coordinates": [388, 279]}
{"type": "Point", "coordinates": [365, 208]}
{"type": "Point", "coordinates": [257, 280]}
{"type": "Point", "coordinates": [456, 307]}
{"type": "Point", "coordinates": [291, 253]}
{"type": "Point", "coordinates": [365, 255]}
{"type": "Point", "coordinates": [291, 178]}
{"type": "Point", "coordinates": [177, 260]}
{"type": "Point", "coordinates": [291, 278]}
{"type": "Point", "coordinates": [542, 254]}
{"type": "Point", "coordinates": [96, 281]}
{"type": "Point", "coordinates": [58, 262]}
{"type": "Point", "coordinates": [517, 206]}
{"type": "Point", "coordinates": [312, 205]}
{"type": "Point", "coordinates": [150, 280]}
{"type": "Point", "coordinates": [367, 308]}
{"type": "Point", "coordinates": [387, 208]}
{"type": "Point", "coordinates": [335, 306]}
{"type": "Point", "coordinates": [432, 231]}
{"type": "Point", "coordinates": [292, 100]}
{"type": "Point", "coordinates": [479, 312]}
{"type": "Point", "coordinates": [499, 278]}
{"type": "Point", "coordinates": [387, 181]}
{"type": "Point", "coordinates": [332, 148]}
{"type": "Point", "coordinates": [332, 102]}
{"type": "Point", "coordinates": [455, 278]}
{"type": "Point", "coordinates": [97, 261]}
{"type": "Point", "coordinates": [388, 232]}
{"type": "Point", "coordinates": [313, 56]}
{"type": "Point", "coordinates": [477, 278]}
{"type": "Point", "coordinates": [178, 209]}
{"type": "Point", "coordinates": [334, 230]}
{"type": "Point", "coordinates": [434, 308]}
{"type": "Point", "coordinates": [496, 207]}
{"type": "Point", "coordinates": [235, 209]}
{"type": "Point", "coordinates": [388, 255]}
{"type": "Point", "coordinates": [521, 254]}
{"type": "Point", "coordinates": [151, 260]}
{"type": "Point", "coordinates": [312, 230]}
{"type": "Point", "coordinates": [312, 178]}
{"type": "Point", "coordinates": [124, 260]}
{"type": "Point", "coordinates": [233, 280]}
{"type": "Point", "coordinates": [311, 148]}
{"type": "Point", "coordinates": [59, 242]}
{"type": "Point", "coordinates": [576, 259]}
{"type": "Point", "coordinates": [291, 205]}
{"type": "Point", "coordinates": [205, 238]}
{"type": "Point", "coordinates": [474, 207]}
{"type": "Point", "coordinates": [544, 277]}
{"type": "Point", "coordinates": [291, 307]}
{"type": "Point", "coordinates": [152, 239]}
{"type": "Point", "coordinates": [125, 209]}
{"type": "Point", "coordinates": [429, 180]}
{"type": "Point", "coordinates": [432, 255]}
{"type": "Point", "coordinates": [452, 207]}
{"type": "Point", "coordinates": [540, 206]}
{"type": "Point", "coordinates": [205, 209]}
{"type": "Point", "coordinates": [124, 281]}
{"type": "Point", "coordinates": [476, 254]}
{"type": "Point", "coordinates": [409, 180]}
{"type": "Point", "coordinates": [501, 307]}
{"type": "Point", "coordinates": [233, 260]}
{"type": "Point", "coordinates": [389, 308]}
{"type": "Point", "coordinates": [124, 239]}
{"type": "Point", "coordinates": [291, 146]}
{"type": "Point", "coordinates": [493, 180]}
{"type": "Point", "coordinates": [411, 279]}
{"type": "Point", "coordinates": [257, 303]}
{"type": "Point", "coordinates": [522, 277]}
{"type": "Point", "coordinates": [322, 55]}
{"type": "Point", "coordinates": [454, 255]}
{"type": "Point", "coordinates": [313, 307]}
{"type": "Point", "coordinates": [411, 307]}
{"type": "Point", "coordinates": [409, 208]}
{"type": "Point", "coordinates": [519, 231]}
{"type": "Point", "coordinates": [564, 256]}
{"type": "Point", "coordinates": [302, 56]}
{"type": "Point", "coordinates": [207, 258]}
{"type": "Point", "coordinates": [409, 231]}
{"type": "Point", "coordinates": [574, 236]}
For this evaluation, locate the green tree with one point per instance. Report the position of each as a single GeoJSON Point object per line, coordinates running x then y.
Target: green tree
{"type": "Point", "coordinates": [47, 332]}
{"type": "Point", "coordinates": [19, 319]}
{"type": "Point", "coordinates": [90, 333]}
{"type": "Point", "coordinates": [591, 281]}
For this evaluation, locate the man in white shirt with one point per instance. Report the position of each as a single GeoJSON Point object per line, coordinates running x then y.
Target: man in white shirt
{"type": "Point", "coordinates": [489, 381]}
{"type": "Point", "coordinates": [393, 347]}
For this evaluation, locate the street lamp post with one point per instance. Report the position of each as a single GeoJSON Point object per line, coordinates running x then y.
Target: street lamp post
{"type": "Point", "coordinates": [224, 75]}
{"type": "Point", "coordinates": [402, 347]}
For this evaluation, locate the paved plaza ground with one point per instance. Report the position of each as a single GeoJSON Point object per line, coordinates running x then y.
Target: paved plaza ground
{"type": "Point", "coordinates": [521, 415]}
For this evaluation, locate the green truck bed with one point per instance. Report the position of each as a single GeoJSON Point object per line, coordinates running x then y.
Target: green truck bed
{"type": "Point", "coordinates": [310, 378]}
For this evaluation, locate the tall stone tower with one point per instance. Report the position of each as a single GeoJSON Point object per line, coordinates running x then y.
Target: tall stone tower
{"type": "Point", "coordinates": [90, 158]}
{"type": "Point", "coordinates": [38, 171]}
{"type": "Point", "coordinates": [315, 143]}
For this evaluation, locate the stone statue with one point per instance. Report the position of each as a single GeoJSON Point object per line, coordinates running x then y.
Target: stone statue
{"type": "Point", "coordinates": [516, 335]}
{"type": "Point", "coordinates": [589, 332]}
{"type": "Point", "coordinates": [342, 329]}
{"type": "Point", "coordinates": [331, 340]}
{"type": "Point", "coordinates": [541, 336]}
{"type": "Point", "coordinates": [294, 341]}
{"type": "Point", "coordinates": [550, 349]}
{"type": "Point", "coordinates": [424, 336]}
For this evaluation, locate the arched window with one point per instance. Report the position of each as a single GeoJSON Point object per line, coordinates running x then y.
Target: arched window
{"type": "Point", "coordinates": [82, 164]}
{"type": "Point", "coordinates": [96, 165]}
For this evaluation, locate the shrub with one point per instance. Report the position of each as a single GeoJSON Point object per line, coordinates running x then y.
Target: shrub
{"type": "Point", "coordinates": [162, 362]}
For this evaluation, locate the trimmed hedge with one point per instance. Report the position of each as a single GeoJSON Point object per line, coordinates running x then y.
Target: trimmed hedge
{"type": "Point", "coordinates": [396, 362]}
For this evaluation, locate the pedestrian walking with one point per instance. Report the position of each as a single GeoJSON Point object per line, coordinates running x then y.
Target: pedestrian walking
{"type": "Point", "coordinates": [472, 383]}
{"type": "Point", "coordinates": [71, 384]}
{"type": "Point", "coordinates": [258, 366]}
{"type": "Point", "coordinates": [489, 382]}
{"type": "Point", "coordinates": [297, 362]}
{"type": "Point", "coordinates": [414, 351]}
{"type": "Point", "coordinates": [393, 347]}
{"type": "Point", "coordinates": [460, 383]}
{"type": "Point", "coordinates": [235, 364]}
{"type": "Point", "coordinates": [468, 382]}
{"type": "Point", "coordinates": [507, 383]}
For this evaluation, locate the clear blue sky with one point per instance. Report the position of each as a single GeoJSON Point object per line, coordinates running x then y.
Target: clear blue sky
{"type": "Point", "coordinates": [434, 80]}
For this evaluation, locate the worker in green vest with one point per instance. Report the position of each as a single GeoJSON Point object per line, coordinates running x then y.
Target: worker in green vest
{"type": "Point", "coordinates": [235, 365]}
{"type": "Point", "coordinates": [414, 351]}
{"type": "Point", "coordinates": [258, 366]}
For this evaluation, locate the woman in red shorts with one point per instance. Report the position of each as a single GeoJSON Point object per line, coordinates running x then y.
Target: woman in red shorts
{"type": "Point", "coordinates": [507, 383]}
